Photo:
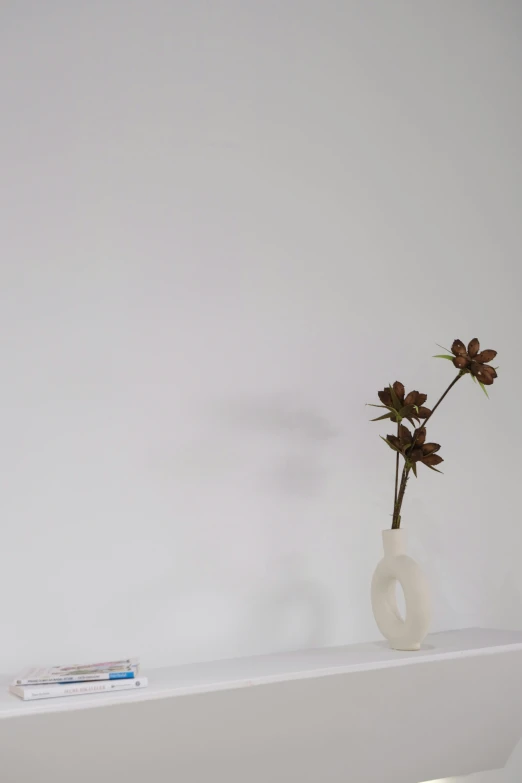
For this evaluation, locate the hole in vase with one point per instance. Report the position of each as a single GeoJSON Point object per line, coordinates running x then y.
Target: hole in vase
{"type": "Point", "coordinates": [401, 601]}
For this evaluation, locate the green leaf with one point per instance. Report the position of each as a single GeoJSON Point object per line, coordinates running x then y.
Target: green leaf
{"type": "Point", "coordinates": [395, 399]}
{"type": "Point", "coordinates": [484, 389]}
{"type": "Point", "coordinates": [388, 442]}
{"type": "Point", "coordinates": [435, 469]}
{"type": "Point", "coordinates": [414, 468]}
{"type": "Point", "coordinates": [474, 379]}
{"type": "Point", "coordinates": [371, 405]}
{"type": "Point", "coordinates": [443, 347]}
{"type": "Point", "coordinates": [380, 418]}
{"type": "Point", "coordinates": [408, 413]}
{"type": "Point", "coordinates": [443, 356]}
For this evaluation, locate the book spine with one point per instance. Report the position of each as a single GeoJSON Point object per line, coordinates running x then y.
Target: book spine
{"type": "Point", "coordinates": [77, 678]}
{"type": "Point", "coordinates": [80, 689]}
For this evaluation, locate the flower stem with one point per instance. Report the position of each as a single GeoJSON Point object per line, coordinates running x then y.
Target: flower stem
{"type": "Point", "coordinates": [396, 475]}
{"type": "Point", "coordinates": [396, 521]}
{"type": "Point", "coordinates": [452, 384]}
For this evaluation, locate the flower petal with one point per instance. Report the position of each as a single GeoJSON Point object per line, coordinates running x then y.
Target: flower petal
{"type": "Point", "coordinates": [458, 348]}
{"type": "Point", "coordinates": [393, 441]}
{"type": "Point", "coordinates": [424, 413]}
{"type": "Point", "coordinates": [385, 397]}
{"type": "Point", "coordinates": [430, 448]}
{"type": "Point", "coordinates": [421, 399]}
{"type": "Point", "coordinates": [420, 436]}
{"type": "Point", "coordinates": [473, 348]}
{"type": "Point", "coordinates": [404, 434]}
{"type": "Point", "coordinates": [484, 373]}
{"type": "Point", "coordinates": [461, 362]}
{"type": "Point", "coordinates": [398, 388]}
{"type": "Point", "coordinates": [411, 398]}
{"type": "Point", "coordinates": [415, 455]}
{"type": "Point", "coordinates": [432, 459]}
{"type": "Point", "coordinates": [485, 356]}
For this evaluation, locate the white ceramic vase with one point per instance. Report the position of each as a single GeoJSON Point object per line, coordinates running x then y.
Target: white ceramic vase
{"type": "Point", "coordinates": [396, 566]}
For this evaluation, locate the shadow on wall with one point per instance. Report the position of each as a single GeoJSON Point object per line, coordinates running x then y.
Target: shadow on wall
{"type": "Point", "coordinates": [292, 613]}
{"type": "Point", "coordinates": [287, 611]}
{"type": "Point", "coordinates": [277, 444]}
{"type": "Point", "coordinates": [301, 433]}
{"type": "Point", "coordinates": [277, 415]}
{"type": "Point", "coordinates": [272, 442]}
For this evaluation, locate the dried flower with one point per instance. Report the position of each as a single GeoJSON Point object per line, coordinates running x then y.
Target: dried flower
{"type": "Point", "coordinates": [474, 361]}
{"type": "Point", "coordinates": [401, 405]}
{"type": "Point", "coordinates": [414, 448]}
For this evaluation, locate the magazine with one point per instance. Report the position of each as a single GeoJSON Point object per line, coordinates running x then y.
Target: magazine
{"type": "Point", "coordinates": [54, 690]}
{"type": "Point", "coordinates": [112, 670]}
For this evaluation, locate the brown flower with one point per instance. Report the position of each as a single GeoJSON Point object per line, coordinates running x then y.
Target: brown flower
{"type": "Point", "coordinates": [474, 361]}
{"type": "Point", "coordinates": [401, 405]}
{"type": "Point", "coordinates": [414, 448]}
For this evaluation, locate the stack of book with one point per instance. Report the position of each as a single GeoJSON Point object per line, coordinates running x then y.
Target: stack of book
{"type": "Point", "coordinates": [78, 680]}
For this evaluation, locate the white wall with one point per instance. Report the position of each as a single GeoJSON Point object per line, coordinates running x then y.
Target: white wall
{"type": "Point", "coordinates": [224, 226]}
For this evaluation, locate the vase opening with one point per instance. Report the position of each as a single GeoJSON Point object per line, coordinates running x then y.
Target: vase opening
{"type": "Point", "coordinates": [400, 600]}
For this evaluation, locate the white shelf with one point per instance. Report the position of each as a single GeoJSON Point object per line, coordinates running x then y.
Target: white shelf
{"type": "Point", "coordinates": [232, 674]}
{"type": "Point", "coordinates": [361, 713]}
